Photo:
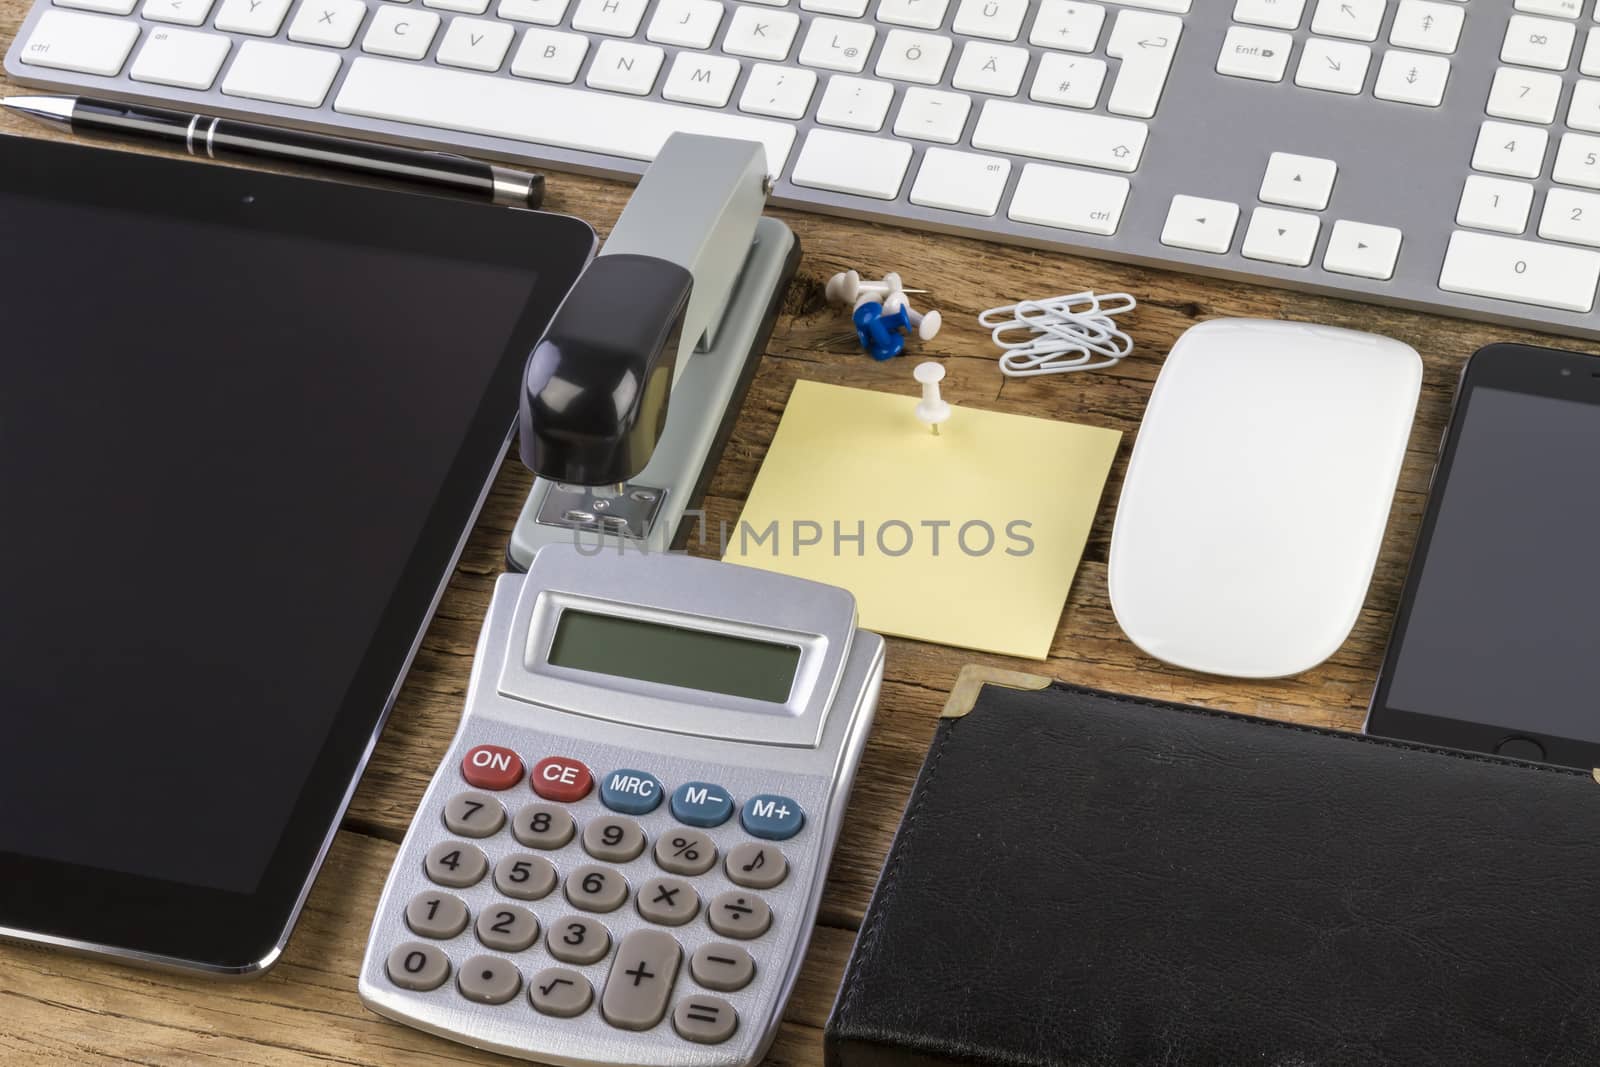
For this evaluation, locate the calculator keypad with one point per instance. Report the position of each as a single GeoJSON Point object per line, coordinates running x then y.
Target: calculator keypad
{"type": "Point", "coordinates": [668, 901]}
{"type": "Point", "coordinates": [489, 980]}
{"type": "Point", "coordinates": [613, 839]}
{"type": "Point", "coordinates": [456, 864]}
{"type": "Point", "coordinates": [642, 964]}
{"type": "Point", "coordinates": [740, 915]}
{"type": "Point", "coordinates": [436, 915]}
{"type": "Point", "coordinates": [560, 992]}
{"type": "Point", "coordinates": [597, 889]}
{"type": "Point", "coordinates": [507, 928]}
{"type": "Point", "coordinates": [523, 876]}
{"type": "Point", "coordinates": [578, 939]}
{"type": "Point", "coordinates": [687, 852]}
{"type": "Point", "coordinates": [474, 815]}
{"type": "Point", "coordinates": [756, 866]}
{"type": "Point", "coordinates": [544, 826]}
{"type": "Point", "coordinates": [640, 981]}
{"type": "Point", "coordinates": [725, 968]}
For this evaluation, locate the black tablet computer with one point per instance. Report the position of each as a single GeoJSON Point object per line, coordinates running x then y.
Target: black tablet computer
{"type": "Point", "coordinates": [246, 422]}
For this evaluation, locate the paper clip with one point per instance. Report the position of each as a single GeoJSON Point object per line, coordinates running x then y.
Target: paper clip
{"type": "Point", "coordinates": [1060, 334]}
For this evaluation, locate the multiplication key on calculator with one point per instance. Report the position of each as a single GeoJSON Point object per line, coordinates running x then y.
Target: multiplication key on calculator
{"type": "Point", "coordinates": [619, 860]}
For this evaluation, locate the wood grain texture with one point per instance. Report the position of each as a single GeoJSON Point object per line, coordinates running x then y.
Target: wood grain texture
{"type": "Point", "coordinates": [57, 1009]}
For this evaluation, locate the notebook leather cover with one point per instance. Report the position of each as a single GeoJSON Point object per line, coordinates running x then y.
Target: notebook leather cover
{"type": "Point", "coordinates": [1084, 879]}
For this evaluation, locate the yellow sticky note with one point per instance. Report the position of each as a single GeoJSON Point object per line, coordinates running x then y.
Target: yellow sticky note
{"type": "Point", "coordinates": [969, 537]}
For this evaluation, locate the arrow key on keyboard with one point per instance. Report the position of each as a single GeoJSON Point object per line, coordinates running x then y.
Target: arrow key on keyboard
{"type": "Point", "coordinates": [1362, 250]}
{"type": "Point", "coordinates": [1199, 224]}
{"type": "Point", "coordinates": [1287, 237]}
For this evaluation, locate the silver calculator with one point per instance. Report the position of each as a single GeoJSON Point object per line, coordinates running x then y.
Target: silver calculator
{"type": "Point", "coordinates": [619, 860]}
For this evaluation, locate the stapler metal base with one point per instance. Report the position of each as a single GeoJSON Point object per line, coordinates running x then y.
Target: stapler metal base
{"type": "Point", "coordinates": [705, 403]}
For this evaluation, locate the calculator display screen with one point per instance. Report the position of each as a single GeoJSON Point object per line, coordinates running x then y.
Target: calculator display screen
{"type": "Point", "coordinates": [674, 655]}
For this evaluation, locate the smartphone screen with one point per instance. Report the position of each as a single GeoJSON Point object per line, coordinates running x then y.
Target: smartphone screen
{"type": "Point", "coordinates": [1497, 641]}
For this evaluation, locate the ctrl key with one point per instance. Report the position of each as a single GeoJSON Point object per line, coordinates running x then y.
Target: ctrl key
{"type": "Point", "coordinates": [89, 44]}
{"type": "Point", "coordinates": [418, 967]}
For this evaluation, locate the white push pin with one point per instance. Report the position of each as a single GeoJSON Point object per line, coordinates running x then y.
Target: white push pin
{"type": "Point", "coordinates": [927, 325]}
{"type": "Point", "coordinates": [846, 288]}
{"type": "Point", "coordinates": [932, 410]}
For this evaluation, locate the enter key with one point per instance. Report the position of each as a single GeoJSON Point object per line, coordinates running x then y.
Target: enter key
{"type": "Point", "coordinates": [1146, 43]}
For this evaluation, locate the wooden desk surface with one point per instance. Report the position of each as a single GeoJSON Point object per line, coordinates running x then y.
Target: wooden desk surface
{"type": "Point", "coordinates": [56, 1008]}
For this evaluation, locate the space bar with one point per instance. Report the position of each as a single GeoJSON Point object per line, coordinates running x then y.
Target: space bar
{"type": "Point", "coordinates": [542, 114]}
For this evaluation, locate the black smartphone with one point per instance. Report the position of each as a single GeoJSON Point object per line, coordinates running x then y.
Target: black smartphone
{"type": "Point", "coordinates": [1496, 643]}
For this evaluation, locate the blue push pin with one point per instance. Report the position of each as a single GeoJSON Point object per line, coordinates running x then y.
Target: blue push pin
{"type": "Point", "coordinates": [879, 333]}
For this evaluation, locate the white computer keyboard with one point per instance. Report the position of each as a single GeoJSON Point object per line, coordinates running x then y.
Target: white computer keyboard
{"type": "Point", "coordinates": [1431, 153]}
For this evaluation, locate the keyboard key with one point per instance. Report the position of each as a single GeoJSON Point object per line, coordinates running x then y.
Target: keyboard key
{"type": "Point", "coordinates": [1527, 272]}
{"type": "Point", "coordinates": [833, 44]}
{"type": "Point", "coordinates": [1060, 136]}
{"type": "Point", "coordinates": [996, 69]}
{"type": "Point", "coordinates": [997, 20]}
{"type": "Point", "coordinates": [641, 979]}
{"type": "Point", "coordinates": [474, 814]}
{"type": "Point", "coordinates": [177, 12]}
{"type": "Point", "coordinates": [1411, 78]}
{"type": "Point", "coordinates": [1362, 250]}
{"type": "Point", "coordinates": [282, 74]}
{"type": "Point", "coordinates": [1427, 26]}
{"type": "Point", "coordinates": [507, 928]}
{"type": "Point", "coordinates": [1566, 9]}
{"type": "Point", "coordinates": [743, 915]}
{"type": "Point", "coordinates": [958, 181]}
{"type": "Point", "coordinates": [184, 58]}
{"type": "Point", "coordinates": [260, 18]}
{"type": "Point", "coordinates": [1533, 42]}
{"type": "Point", "coordinates": [476, 44]}
{"type": "Point", "coordinates": [701, 79]}
{"type": "Point", "coordinates": [436, 915]}
{"type": "Point", "coordinates": [539, 12]}
{"type": "Point", "coordinates": [524, 877]}
{"type": "Point", "coordinates": [781, 92]}
{"type": "Point", "coordinates": [107, 7]}
{"type": "Point", "coordinates": [1177, 7]}
{"type": "Point", "coordinates": [550, 55]}
{"type": "Point", "coordinates": [465, 7]}
{"type": "Point", "coordinates": [578, 939]}
{"type": "Point", "coordinates": [704, 1020]}
{"type": "Point", "coordinates": [1578, 161]}
{"type": "Point", "coordinates": [488, 980]}
{"type": "Point", "coordinates": [1277, 236]}
{"type": "Point", "coordinates": [417, 966]}
{"type": "Point", "coordinates": [89, 44]}
{"type": "Point", "coordinates": [1571, 216]}
{"type": "Point", "coordinates": [1067, 24]}
{"type": "Point", "coordinates": [559, 992]}
{"type": "Point", "coordinates": [1298, 181]}
{"type": "Point", "coordinates": [1355, 20]}
{"type": "Point", "coordinates": [541, 114]}
{"type": "Point", "coordinates": [1200, 225]}
{"type": "Point", "coordinates": [400, 32]}
{"type": "Point", "coordinates": [685, 23]}
{"type": "Point", "coordinates": [1494, 204]}
{"type": "Point", "coordinates": [757, 864]}
{"type": "Point", "coordinates": [855, 103]}
{"type": "Point", "coordinates": [1278, 14]}
{"type": "Point", "coordinates": [1333, 66]}
{"type": "Point", "coordinates": [490, 766]}
{"type": "Point", "coordinates": [721, 966]}
{"type": "Point", "coordinates": [918, 14]}
{"type": "Point", "coordinates": [613, 839]}
{"type": "Point", "coordinates": [913, 57]}
{"type": "Point", "coordinates": [1073, 81]}
{"type": "Point", "coordinates": [1069, 199]}
{"type": "Point", "coordinates": [932, 115]}
{"type": "Point", "coordinates": [1506, 149]}
{"type": "Point", "coordinates": [329, 22]}
{"type": "Point", "coordinates": [684, 851]}
{"type": "Point", "coordinates": [1590, 63]}
{"type": "Point", "coordinates": [545, 826]}
{"type": "Point", "coordinates": [851, 163]}
{"type": "Point", "coordinates": [1145, 43]}
{"type": "Point", "coordinates": [561, 779]}
{"type": "Point", "coordinates": [598, 889]}
{"type": "Point", "coordinates": [1525, 95]}
{"type": "Point", "coordinates": [449, 863]}
{"type": "Point", "coordinates": [761, 34]}
{"type": "Point", "coordinates": [611, 18]}
{"type": "Point", "coordinates": [1260, 55]}
{"type": "Point", "coordinates": [850, 9]}
{"type": "Point", "coordinates": [667, 901]}
{"type": "Point", "coordinates": [1584, 111]}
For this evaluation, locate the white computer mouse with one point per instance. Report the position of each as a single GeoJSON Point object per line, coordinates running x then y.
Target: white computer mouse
{"type": "Point", "coordinates": [1258, 492]}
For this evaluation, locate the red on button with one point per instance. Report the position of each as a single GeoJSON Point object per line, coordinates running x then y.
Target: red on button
{"type": "Point", "coordinates": [492, 767]}
{"type": "Point", "coordinates": [560, 779]}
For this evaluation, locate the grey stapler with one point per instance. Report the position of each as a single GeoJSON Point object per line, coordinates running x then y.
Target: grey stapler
{"type": "Point", "coordinates": [629, 398]}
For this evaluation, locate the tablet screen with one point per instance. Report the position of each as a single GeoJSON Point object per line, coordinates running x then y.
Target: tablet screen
{"type": "Point", "coordinates": [234, 463]}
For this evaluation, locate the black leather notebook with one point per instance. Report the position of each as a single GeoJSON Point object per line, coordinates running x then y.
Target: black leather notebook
{"type": "Point", "coordinates": [1086, 879]}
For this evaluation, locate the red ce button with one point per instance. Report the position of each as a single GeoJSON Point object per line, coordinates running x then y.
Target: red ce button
{"type": "Point", "coordinates": [560, 779]}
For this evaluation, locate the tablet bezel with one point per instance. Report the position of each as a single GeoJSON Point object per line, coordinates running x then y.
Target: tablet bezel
{"type": "Point", "coordinates": [174, 924]}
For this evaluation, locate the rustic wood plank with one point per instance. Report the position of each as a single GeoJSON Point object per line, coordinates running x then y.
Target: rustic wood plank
{"type": "Point", "coordinates": [56, 1009]}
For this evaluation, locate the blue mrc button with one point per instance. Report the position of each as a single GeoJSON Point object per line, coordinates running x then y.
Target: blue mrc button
{"type": "Point", "coordinates": [702, 804]}
{"type": "Point", "coordinates": [631, 792]}
{"type": "Point", "coordinates": [772, 817]}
